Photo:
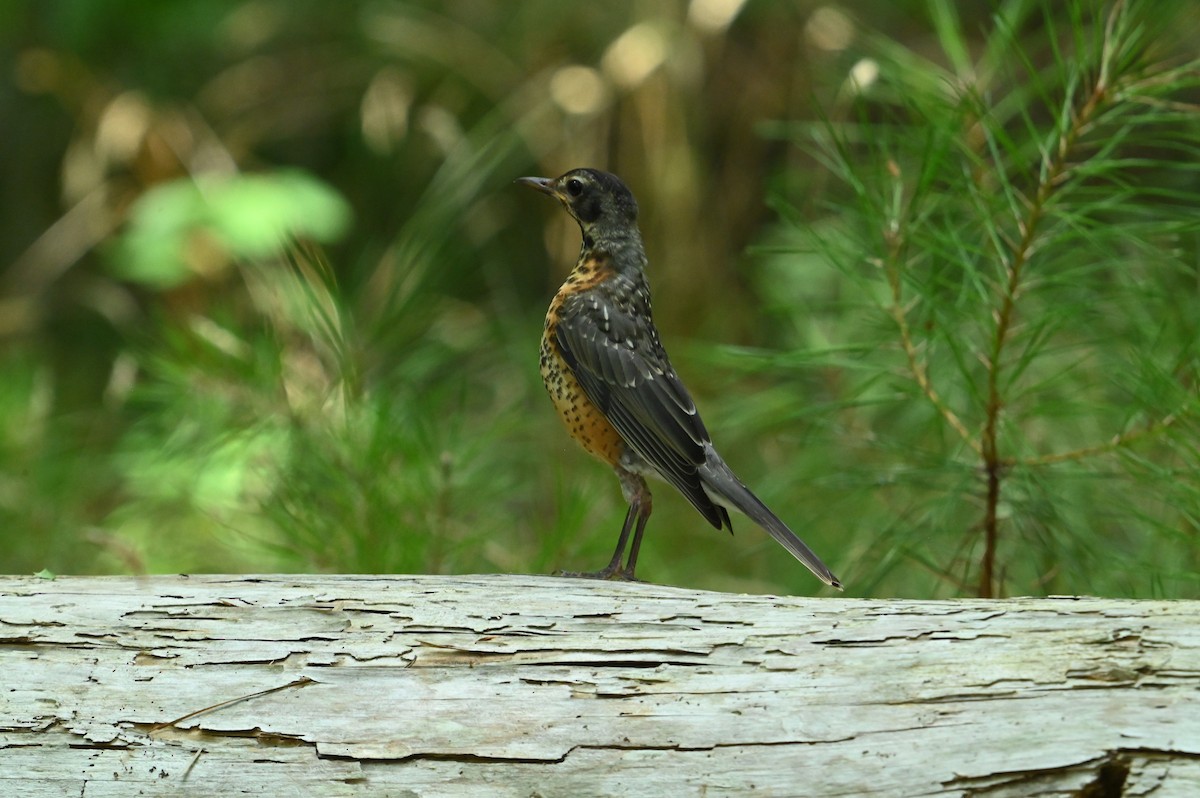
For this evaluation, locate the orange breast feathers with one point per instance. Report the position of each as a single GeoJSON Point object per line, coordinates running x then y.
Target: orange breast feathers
{"type": "Point", "coordinates": [585, 423]}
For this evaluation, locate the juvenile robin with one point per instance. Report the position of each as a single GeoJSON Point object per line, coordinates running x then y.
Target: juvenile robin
{"type": "Point", "coordinates": [613, 384]}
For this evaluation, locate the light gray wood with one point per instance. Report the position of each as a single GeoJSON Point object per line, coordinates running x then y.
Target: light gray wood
{"type": "Point", "coordinates": [535, 686]}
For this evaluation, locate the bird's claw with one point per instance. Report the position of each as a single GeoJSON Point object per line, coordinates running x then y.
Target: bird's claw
{"type": "Point", "coordinates": [610, 574]}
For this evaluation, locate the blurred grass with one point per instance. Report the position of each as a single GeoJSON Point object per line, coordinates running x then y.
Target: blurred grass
{"type": "Point", "coordinates": [194, 402]}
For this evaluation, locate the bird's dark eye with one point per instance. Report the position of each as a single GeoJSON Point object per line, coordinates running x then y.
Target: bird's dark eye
{"type": "Point", "coordinates": [574, 187]}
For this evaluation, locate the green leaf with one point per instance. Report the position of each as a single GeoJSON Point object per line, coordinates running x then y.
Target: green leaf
{"type": "Point", "coordinates": [186, 228]}
{"type": "Point", "coordinates": [152, 250]}
{"type": "Point", "coordinates": [255, 216]}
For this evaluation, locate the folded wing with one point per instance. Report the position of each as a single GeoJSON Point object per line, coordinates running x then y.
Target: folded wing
{"type": "Point", "coordinates": [610, 345]}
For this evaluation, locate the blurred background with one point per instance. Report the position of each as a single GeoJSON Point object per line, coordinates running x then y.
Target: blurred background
{"type": "Point", "coordinates": [181, 392]}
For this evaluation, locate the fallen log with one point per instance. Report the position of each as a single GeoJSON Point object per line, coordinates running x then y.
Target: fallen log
{"type": "Point", "coordinates": [537, 686]}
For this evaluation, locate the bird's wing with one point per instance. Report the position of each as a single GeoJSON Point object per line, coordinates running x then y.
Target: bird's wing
{"type": "Point", "coordinates": [608, 340]}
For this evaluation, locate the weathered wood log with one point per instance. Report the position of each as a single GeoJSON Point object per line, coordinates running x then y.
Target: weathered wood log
{"type": "Point", "coordinates": [531, 686]}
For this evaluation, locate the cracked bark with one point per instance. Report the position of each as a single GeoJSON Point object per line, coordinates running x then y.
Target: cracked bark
{"type": "Point", "coordinates": [529, 686]}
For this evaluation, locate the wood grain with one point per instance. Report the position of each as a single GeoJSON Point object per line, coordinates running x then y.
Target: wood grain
{"type": "Point", "coordinates": [536, 686]}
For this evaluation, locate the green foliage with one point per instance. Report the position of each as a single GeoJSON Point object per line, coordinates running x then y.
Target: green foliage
{"type": "Point", "coordinates": [186, 383]}
{"type": "Point", "coordinates": [1025, 219]}
{"type": "Point", "coordinates": [242, 216]}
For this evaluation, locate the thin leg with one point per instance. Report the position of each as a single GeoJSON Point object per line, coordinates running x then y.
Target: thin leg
{"type": "Point", "coordinates": [614, 566]}
{"type": "Point", "coordinates": [633, 487]}
{"type": "Point", "coordinates": [643, 515]}
{"type": "Point", "coordinates": [635, 491]}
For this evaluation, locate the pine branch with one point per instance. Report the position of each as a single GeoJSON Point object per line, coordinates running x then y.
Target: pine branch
{"type": "Point", "coordinates": [1031, 269]}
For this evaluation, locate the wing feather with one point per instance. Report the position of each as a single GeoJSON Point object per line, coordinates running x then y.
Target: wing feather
{"type": "Point", "coordinates": [614, 353]}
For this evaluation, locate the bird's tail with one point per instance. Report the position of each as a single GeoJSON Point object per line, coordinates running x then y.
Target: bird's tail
{"type": "Point", "coordinates": [724, 488]}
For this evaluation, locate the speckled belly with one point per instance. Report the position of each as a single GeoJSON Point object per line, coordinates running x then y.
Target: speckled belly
{"type": "Point", "coordinates": [585, 423]}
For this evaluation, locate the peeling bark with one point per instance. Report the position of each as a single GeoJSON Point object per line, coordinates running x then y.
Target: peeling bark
{"type": "Point", "coordinates": [531, 686]}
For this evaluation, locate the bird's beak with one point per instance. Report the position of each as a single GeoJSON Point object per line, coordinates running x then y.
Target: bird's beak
{"type": "Point", "coordinates": [542, 184]}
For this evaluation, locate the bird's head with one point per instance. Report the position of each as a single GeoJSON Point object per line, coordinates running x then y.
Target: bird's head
{"type": "Point", "coordinates": [599, 201]}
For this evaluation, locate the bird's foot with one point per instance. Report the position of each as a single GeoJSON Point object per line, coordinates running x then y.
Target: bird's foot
{"type": "Point", "coordinates": [610, 573]}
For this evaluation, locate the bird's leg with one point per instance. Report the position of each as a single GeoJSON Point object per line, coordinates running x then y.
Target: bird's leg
{"type": "Point", "coordinates": [633, 487]}
{"type": "Point", "coordinates": [613, 570]}
{"type": "Point", "coordinates": [643, 506]}
{"type": "Point", "coordinates": [639, 511]}
{"type": "Point", "coordinates": [614, 565]}
{"type": "Point", "coordinates": [635, 491]}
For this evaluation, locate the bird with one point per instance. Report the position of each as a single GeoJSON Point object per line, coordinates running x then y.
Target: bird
{"type": "Point", "coordinates": [605, 368]}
